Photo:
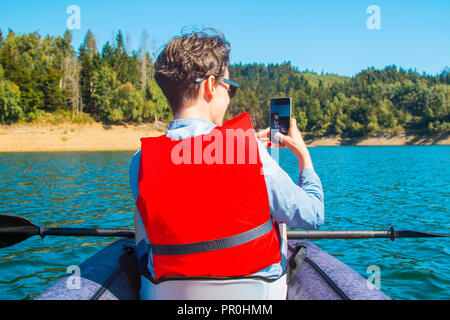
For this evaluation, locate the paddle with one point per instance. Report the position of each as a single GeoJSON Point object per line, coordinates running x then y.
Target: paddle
{"type": "Point", "coordinates": [17, 229]}
{"type": "Point", "coordinates": [362, 234]}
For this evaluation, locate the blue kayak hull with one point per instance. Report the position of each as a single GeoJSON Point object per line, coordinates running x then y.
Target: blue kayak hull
{"type": "Point", "coordinates": [112, 274]}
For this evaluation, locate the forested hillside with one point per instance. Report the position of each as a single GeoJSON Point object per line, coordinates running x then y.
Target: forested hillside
{"type": "Point", "coordinates": [373, 100]}
{"type": "Point", "coordinates": [45, 75]}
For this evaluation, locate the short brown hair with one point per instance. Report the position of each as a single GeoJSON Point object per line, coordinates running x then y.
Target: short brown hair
{"type": "Point", "coordinates": [186, 58]}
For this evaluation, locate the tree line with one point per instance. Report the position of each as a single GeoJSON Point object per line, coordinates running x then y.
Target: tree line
{"type": "Point", "coordinates": [42, 75]}
{"type": "Point", "coordinates": [374, 100]}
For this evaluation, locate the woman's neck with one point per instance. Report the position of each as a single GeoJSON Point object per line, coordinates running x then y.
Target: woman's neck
{"type": "Point", "coordinates": [195, 111]}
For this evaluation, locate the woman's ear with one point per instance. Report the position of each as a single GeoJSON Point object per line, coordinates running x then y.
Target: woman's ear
{"type": "Point", "coordinates": [210, 89]}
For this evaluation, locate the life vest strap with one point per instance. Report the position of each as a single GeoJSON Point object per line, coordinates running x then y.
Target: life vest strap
{"type": "Point", "coordinates": [212, 245]}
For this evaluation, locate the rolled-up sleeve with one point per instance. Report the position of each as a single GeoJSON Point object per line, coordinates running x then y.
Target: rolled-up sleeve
{"type": "Point", "coordinates": [298, 205]}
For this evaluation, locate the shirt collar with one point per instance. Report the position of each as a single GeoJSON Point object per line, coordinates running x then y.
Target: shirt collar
{"type": "Point", "coordinates": [189, 127]}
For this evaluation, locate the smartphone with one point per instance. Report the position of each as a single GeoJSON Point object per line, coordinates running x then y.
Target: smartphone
{"type": "Point", "coordinates": [280, 116]}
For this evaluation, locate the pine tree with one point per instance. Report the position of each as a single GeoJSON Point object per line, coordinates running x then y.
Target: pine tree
{"type": "Point", "coordinates": [86, 57]}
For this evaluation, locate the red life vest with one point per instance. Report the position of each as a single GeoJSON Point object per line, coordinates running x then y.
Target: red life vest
{"type": "Point", "coordinates": [205, 210]}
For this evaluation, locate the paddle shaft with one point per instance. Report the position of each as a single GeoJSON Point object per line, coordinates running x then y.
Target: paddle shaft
{"type": "Point", "coordinates": [308, 234]}
{"type": "Point", "coordinates": [339, 234]}
{"type": "Point", "coordinates": [17, 229]}
{"type": "Point", "coordinates": [362, 234]}
{"type": "Point", "coordinates": [43, 231]}
{"type": "Point", "coordinates": [313, 234]}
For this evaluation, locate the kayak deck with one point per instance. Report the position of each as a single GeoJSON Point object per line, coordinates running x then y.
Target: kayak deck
{"type": "Point", "coordinates": [112, 274]}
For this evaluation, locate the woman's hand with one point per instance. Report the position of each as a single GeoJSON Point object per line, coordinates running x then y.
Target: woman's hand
{"type": "Point", "coordinates": [293, 141]}
{"type": "Point", "coordinates": [263, 136]}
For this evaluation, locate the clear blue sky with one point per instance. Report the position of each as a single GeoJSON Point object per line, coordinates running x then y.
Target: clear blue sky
{"type": "Point", "coordinates": [328, 35]}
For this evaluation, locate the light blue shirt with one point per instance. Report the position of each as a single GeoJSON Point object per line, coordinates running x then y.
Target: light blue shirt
{"type": "Point", "coordinates": [299, 205]}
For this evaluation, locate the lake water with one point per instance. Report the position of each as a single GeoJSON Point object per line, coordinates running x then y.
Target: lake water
{"type": "Point", "coordinates": [365, 188]}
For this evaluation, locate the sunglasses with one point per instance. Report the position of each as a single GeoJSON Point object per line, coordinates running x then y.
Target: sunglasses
{"type": "Point", "coordinates": [232, 88]}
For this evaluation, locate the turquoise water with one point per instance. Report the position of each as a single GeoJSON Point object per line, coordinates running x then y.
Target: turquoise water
{"type": "Point", "coordinates": [365, 188]}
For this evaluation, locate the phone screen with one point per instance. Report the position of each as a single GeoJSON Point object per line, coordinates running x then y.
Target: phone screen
{"type": "Point", "coordinates": [280, 116]}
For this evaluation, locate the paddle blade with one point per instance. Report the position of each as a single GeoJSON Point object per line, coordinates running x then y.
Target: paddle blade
{"type": "Point", "coordinates": [419, 234]}
{"type": "Point", "coordinates": [15, 229]}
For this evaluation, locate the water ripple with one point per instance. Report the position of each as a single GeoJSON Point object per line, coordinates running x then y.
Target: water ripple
{"type": "Point", "coordinates": [365, 188]}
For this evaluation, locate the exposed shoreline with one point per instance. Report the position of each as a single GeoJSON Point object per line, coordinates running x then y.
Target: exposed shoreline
{"type": "Point", "coordinates": [74, 137]}
{"type": "Point", "coordinates": [383, 139]}
{"type": "Point", "coordinates": [100, 137]}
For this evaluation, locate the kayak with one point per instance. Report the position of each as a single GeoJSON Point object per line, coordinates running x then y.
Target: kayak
{"type": "Point", "coordinates": [313, 274]}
